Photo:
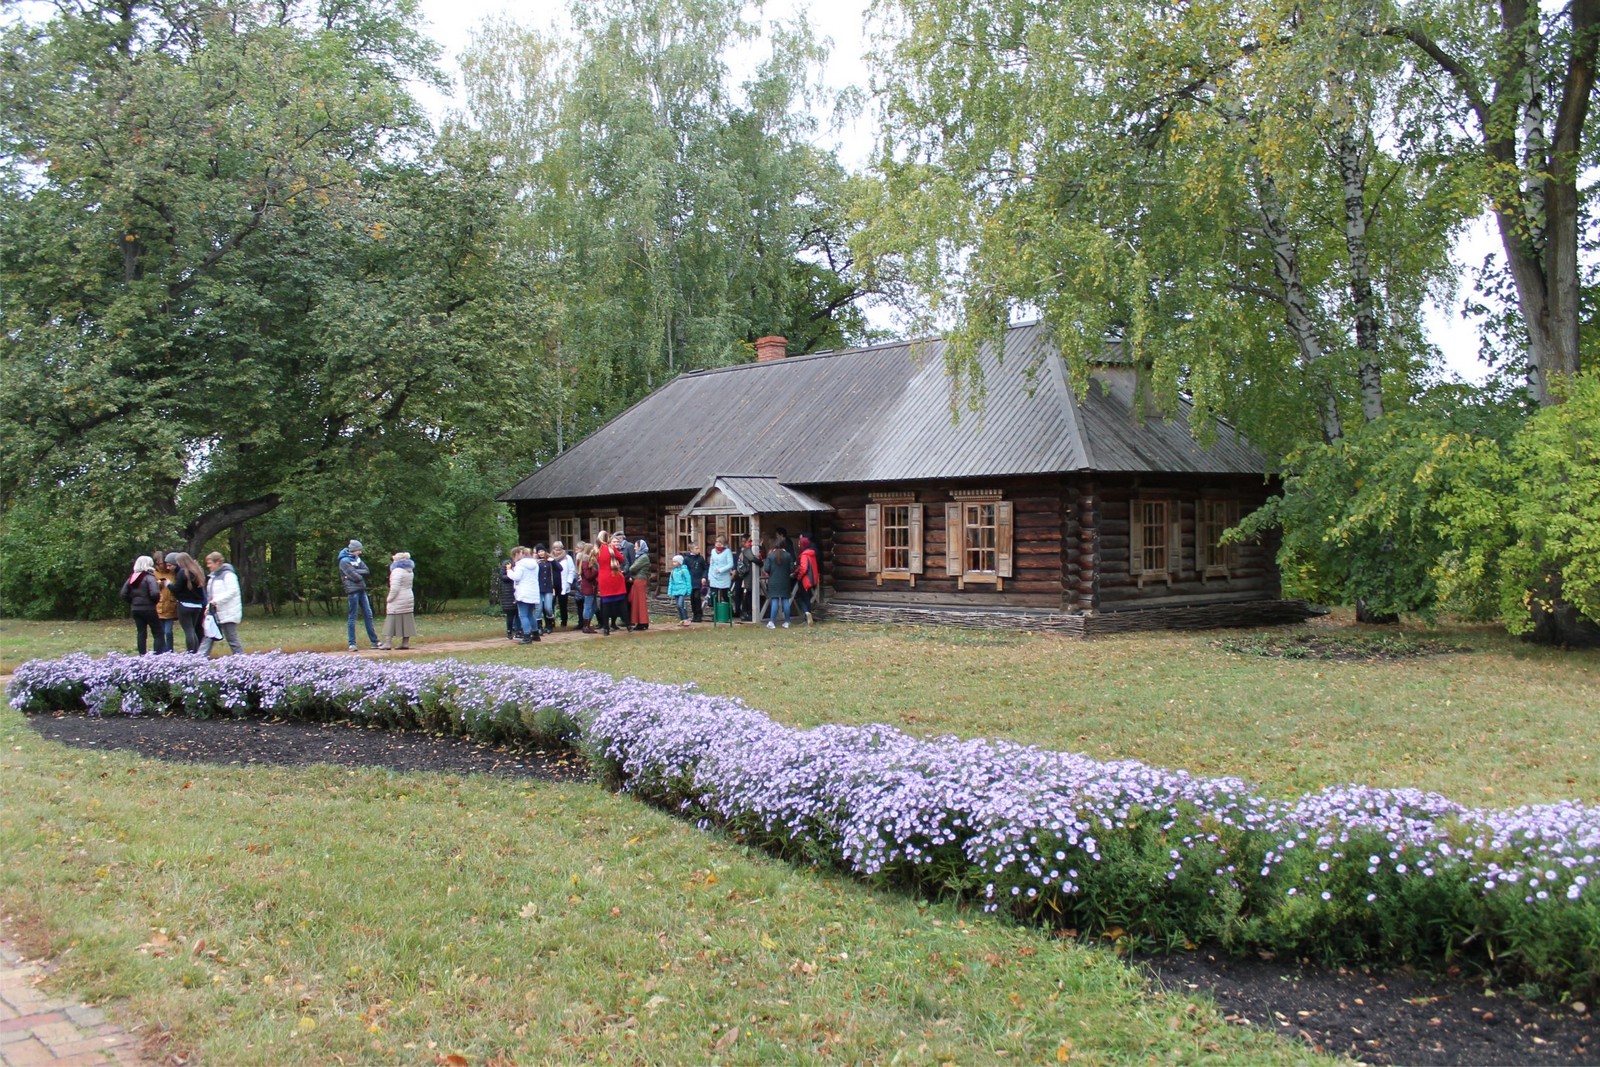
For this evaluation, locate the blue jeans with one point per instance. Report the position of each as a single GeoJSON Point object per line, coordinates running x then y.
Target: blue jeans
{"type": "Point", "coordinates": [360, 603]}
{"type": "Point", "coordinates": [164, 635]}
{"type": "Point", "coordinates": [587, 611]}
{"type": "Point", "coordinates": [682, 601]}
{"type": "Point", "coordinates": [775, 602]}
{"type": "Point", "coordinates": [547, 605]}
{"type": "Point", "coordinates": [529, 613]}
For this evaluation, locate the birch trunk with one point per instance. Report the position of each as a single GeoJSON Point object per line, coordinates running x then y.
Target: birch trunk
{"type": "Point", "coordinates": [1297, 315]}
{"type": "Point", "coordinates": [1352, 159]}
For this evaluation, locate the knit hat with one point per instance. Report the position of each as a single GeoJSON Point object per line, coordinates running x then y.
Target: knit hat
{"type": "Point", "coordinates": [353, 546]}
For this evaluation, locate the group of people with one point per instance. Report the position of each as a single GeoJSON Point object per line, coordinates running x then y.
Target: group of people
{"type": "Point", "coordinates": [167, 589]}
{"type": "Point", "coordinates": [400, 617]}
{"type": "Point", "coordinates": [608, 582]}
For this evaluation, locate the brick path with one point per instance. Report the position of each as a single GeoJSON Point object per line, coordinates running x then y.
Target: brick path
{"type": "Point", "coordinates": [37, 1030]}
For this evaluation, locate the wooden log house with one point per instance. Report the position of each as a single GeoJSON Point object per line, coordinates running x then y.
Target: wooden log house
{"type": "Point", "coordinates": [1046, 510]}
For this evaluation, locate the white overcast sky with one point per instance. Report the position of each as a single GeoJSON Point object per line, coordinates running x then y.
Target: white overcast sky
{"type": "Point", "coordinates": [450, 22]}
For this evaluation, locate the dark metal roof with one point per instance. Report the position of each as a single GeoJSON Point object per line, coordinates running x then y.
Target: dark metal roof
{"type": "Point", "coordinates": [880, 414]}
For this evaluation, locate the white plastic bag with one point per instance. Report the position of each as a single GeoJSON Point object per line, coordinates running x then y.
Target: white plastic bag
{"type": "Point", "coordinates": [212, 630]}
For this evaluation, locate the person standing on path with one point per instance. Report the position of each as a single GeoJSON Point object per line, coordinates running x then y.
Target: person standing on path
{"type": "Point", "coordinates": [399, 619]}
{"type": "Point", "coordinates": [568, 585]}
{"type": "Point", "coordinates": [807, 577]}
{"type": "Point", "coordinates": [719, 574]}
{"type": "Point", "coordinates": [612, 583]}
{"type": "Point", "coordinates": [639, 590]}
{"type": "Point", "coordinates": [353, 570]}
{"type": "Point", "coordinates": [779, 569]}
{"type": "Point", "coordinates": [697, 580]}
{"type": "Point", "coordinates": [224, 603]}
{"type": "Point", "coordinates": [525, 576]}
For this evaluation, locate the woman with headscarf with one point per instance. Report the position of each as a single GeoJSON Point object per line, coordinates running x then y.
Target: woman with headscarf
{"type": "Point", "coordinates": [141, 591]}
{"type": "Point", "coordinates": [189, 587]}
{"type": "Point", "coordinates": [399, 613]}
{"type": "Point", "coordinates": [639, 591]}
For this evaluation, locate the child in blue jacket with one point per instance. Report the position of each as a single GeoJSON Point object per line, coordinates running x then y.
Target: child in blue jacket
{"type": "Point", "coordinates": [679, 587]}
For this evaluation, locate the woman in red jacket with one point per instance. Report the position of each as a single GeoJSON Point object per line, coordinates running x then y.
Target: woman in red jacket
{"type": "Point", "coordinates": [613, 585]}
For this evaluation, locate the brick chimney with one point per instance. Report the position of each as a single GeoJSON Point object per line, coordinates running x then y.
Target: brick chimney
{"type": "Point", "coordinates": [770, 348]}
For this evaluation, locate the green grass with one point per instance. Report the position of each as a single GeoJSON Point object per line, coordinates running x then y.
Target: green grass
{"type": "Point", "coordinates": [24, 639]}
{"type": "Point", "coordinates": [267, 916]}
{"type": "Point", "coordinates": [1506, 723]}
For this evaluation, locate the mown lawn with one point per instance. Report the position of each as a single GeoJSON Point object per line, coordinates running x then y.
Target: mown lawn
{"type": "Point", "coordinates": [363, 916]}
{"type": "Point", "coordinates": [264, 916]}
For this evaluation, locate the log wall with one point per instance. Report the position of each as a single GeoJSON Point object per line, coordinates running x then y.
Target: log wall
{"type": "Point", "coordinates": [1036, 581]}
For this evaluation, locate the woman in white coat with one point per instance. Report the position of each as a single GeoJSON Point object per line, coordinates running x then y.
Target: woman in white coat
{"type": "Point", "coordinates": [400, 618]}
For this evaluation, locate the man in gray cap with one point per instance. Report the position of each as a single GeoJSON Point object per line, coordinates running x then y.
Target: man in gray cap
{"type": "Point", "coordinates": [354, 570]}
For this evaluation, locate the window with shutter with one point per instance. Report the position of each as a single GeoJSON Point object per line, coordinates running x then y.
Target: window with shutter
{"type": "Point", "coordinates": [894, 537]}
{"type": "Point", "coordinates": [980, 539]}
{"type": "Point", "coordinates": [566, 531]}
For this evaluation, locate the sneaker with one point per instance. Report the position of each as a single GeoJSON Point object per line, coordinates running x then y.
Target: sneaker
{"type": "Point", "coordinates": [772, 626]}
{"type": "Point", "coordinates": [352, 648]}
{"type": "Point", "coordinates": [785, 626]}
{"type": "Point", "coordinates": [383, 647]}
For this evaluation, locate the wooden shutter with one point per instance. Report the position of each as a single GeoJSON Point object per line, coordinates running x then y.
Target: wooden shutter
{"type": "Point", "coordinates": [1136, 538]}
{"type": "Point", "coordinates": [874, 538]}
{"type": "Point", "coordinates": [594, 530]}
{"type": "Point", "coordinates": [555, 534]}
{"type": "Point", "coordinates": [1002, 538]}
{"type": "Point", "coordinates": [953, 538]}
{"type": "Point", "coordinates": [669, 538]}
{"type": "Point", "coordinates": [1174, 538]}
{"type": "Point", "coordinates": [914, 557]}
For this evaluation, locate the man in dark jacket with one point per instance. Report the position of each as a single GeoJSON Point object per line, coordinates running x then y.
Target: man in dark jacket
{"type": "Point", "coordinates": [353, 570]}
{"type": "Point", "coordinates": [697, 579]}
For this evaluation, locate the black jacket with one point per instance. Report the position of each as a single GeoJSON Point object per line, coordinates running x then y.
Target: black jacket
{"type": "Point", "coordinates": [142, 593]}
{"type": "Point", "coordinates": [697, 568]}
{"type": "Point", "coordinates": [508, 592]}
{"type": "Point", "coordinates": [185, 590]}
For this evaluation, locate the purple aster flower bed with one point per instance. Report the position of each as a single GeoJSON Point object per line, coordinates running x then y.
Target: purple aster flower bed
{"type": "Point", "coordinates": [1349, 873]}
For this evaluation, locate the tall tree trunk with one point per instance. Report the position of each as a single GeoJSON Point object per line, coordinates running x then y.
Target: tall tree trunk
{"type": "Point", "coordinates": [1352, 157]}
{"type": "Point", "coordinates": [1297, 313]}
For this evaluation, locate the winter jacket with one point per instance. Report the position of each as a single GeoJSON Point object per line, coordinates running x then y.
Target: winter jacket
{"type": "Point", "coordinates": [681, 583]}
{"type": "Point", "coordinates": [569, 573]}
{"type": "Point", "coordinates": [807, 573]}
{"type": "Point", "coordinates": [508, 591]}
{"type": "Point", "coordinates": [749, 558]}
{"type": "Point", "coordinates": [167, 602]}
{"type": "Point", "coordinates": [224, 595]}
{"type": "Point", "coordinates": [549, 576]}
{"type": "Point", "coordinates": [697, 568]}
{"type": "Point", "coordinates": [589, 579]}
{"type": "Point", "coordinates": [780, 578]}
{"type": "Point", "coordinates": [526, 576]}
{"type": "Point", "coordinates": [639, 569]}
{"type": "Point", "coordinates": [611, 581]}
{"type": "Point", "coordinates": [401, 573]}
{"type": "Point", "coordinates": [720, 573]}
{"type": "Point", "coordinates": [354, 570]}
{"type": "Point", "coordinates": [186, 591]}
{"type": "Point", "coordinates": [141, 591]}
